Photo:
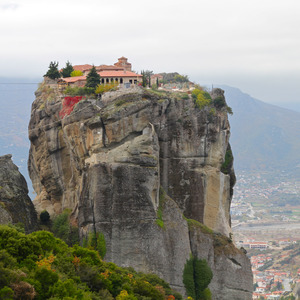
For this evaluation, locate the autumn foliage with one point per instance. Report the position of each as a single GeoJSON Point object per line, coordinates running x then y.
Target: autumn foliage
{"type": "Point", "coordinates": [68, 105]}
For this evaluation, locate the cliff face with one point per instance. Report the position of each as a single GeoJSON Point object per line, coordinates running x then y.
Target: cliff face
{"type": "Point", "coordinates": [15, 204]}
{"type": "Point", "coordinates": [110, 160]}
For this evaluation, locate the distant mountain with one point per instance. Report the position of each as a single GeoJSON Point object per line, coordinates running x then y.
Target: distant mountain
{"type": "Point", "coordinates": [263, 136]}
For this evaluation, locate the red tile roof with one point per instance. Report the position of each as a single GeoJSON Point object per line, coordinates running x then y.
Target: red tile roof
{"type": "Point", "coordinates": [73, 79]}
{"type": "Point", "coordinates": [112, 68]}
{"type": "Point", "coordinates": [82, 67]}
{"type": "Point", "coordinates": [118, 74]}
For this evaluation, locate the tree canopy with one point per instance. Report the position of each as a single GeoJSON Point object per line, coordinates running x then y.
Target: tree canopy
{"type": "Point", "coordinates": [67, 70]}
{"type": "Point", "coordinates": [93, 78]}
{"type": "Point", "coordinates": [53, 72]}
{"type": "Point", "coordinates": [41, 266]}
{"type": "Point", "coordinates": [196, 278]}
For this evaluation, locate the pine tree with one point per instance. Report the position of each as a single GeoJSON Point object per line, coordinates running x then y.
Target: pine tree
{"type": "Point", "coordinates": [93, 78]}
{"type": "Point", "coordinates": [53, 72]}
{"type": "Point", "coordinates": [67, 70]}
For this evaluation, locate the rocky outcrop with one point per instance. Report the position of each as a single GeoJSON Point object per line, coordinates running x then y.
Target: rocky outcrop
{"type": "Point", "coordinates": [136, 166]}
{"type": "Point", "coordinates": [15, 204]}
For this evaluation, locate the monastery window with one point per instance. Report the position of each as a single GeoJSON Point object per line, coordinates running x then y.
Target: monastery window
{"type": "Point", "coordinates": [130, 80]}
{"type": "Point", "coordinates": [121, 80]}
{"type": "Point", "coordinates": [102, 80]}
{"type": "Point", "coordinates": [107, 80]}
{"type": "Point", "coordinates": [117, 79]}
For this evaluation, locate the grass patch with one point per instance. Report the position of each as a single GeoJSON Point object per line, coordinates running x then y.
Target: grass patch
{"type": "Point", "coordinates": [120, 103]}
{"type": "Point", "coordinates": [162, 199]}
{"type": "Point", "coordinates": [222, 244]}
{"type": "Point", "coordinates": [196, 224]}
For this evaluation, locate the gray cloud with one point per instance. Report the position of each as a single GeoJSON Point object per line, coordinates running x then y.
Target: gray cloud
{"type": "Point", "coordinates": [229, 42]}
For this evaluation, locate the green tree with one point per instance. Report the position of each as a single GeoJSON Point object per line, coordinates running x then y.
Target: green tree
{"type": "Point", "coordinates": [63, 229]}
{"type": "Point", "coordinates": [181, 78]}
{"type": "Point", "coordinates": [96, 241]}
{"type": "Point", "coordinates": [6, 293]}
{"type": "Point", "coordinates": [93, 78]}
{"type": "Point", "coordinates": [53, 72]}
{"type": "Point", "coordinates": [67, 70]}
{"type": "Point", "coordinates": [146, 79]}
{"type": "Point", "coordinates": [196, 278]}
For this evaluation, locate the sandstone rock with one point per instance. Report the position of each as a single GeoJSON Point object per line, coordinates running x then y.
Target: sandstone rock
{"type": "Point", "coordinates": [107, 162]}
{"type": "Point", "coordinates": [15, 204]}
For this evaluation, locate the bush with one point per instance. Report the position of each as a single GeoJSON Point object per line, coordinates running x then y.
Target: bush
{"type": "Point", "coordinates": [227, 164]}
{"type": "Point", "coordinates": [201, 98]}
{"type": "Point", "coordinates": [185, 96]}
{"type": "Point", "coordinates": [76, 73]}
{"type": "Point", "coordinates": [57, 271]}
{"type": "Point", "coordinates": [103, 88]}
{"type": "Point", "coordinates": [120, 102]}
{"type": "Point", "coordinates": [44, 217]}
{"type": "Point", "coordinates": [6, 293]}
{"type": "Point", "coordinates": [63, 229]}
{"type": "Point", "coordinates": [68, 105]}
{"type": "Point", "coordinates": [78, 91]}
{"type": "Point", "coordinates": [96, 241]}
{"type": "Point", "coordinates": [17, 244]}
{"type": "Point", "coordinates": [196, 278]}
{"type": "Point", "coordinates": [219, 102]}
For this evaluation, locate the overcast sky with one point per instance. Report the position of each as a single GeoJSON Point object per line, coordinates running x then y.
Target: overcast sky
{"type": "Point", "coordinates": [253, 45]}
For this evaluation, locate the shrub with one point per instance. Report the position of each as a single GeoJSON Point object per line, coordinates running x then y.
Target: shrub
{"type": "Point", "coordinates": [63, 229]}
{"type": "Point", "coordinates": [154, 86]}
{"type": "Point", "coordinates": [120, 103]}
{"type": "Point", "coordinates": [229, 110]}
{"type": "Point", "coordinates": [44, 217]}
{"type": "Point", "coordinates": [184, 96]}
{"type": "Point", "coordinates": [196, 278]}
{"type": "Point", "coordinates": [6, 293]}
{"type": "Point", "coordinates": [103, 88]}
{"type": "Point", "coordinates": [162, 198]}
{"type": "Point", "coordinates": [46, 278]}
{"type": "Point", "coordinates": [219, 102]}
{"type": "Point", "coordinates": [96, 241]}
{"type": "Point", "coordinates": [68, 105]}
{"type": "Point", "coordinates": [145, 289]}
{"type": "Point", "coordinates": [227, 164]}
{"type": "Point", "coordinates": [201, 98]}
{"type": "Point", "coordinates": [78, 91]}
{"type": "Point", "coordinates": [18, 244]}
{"type": "Point", "coordinates": [76, 73]}
{"type": "Point", "coordinates": [181, 78]}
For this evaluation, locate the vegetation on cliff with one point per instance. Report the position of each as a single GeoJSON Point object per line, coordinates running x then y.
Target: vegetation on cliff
{"type": "Point", "coordinates": [40, 266]}
{"type": "Point", "coordinates": [196, 277]}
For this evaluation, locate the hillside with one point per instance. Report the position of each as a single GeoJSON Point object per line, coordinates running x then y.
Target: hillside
{"type": "Point", "coordinates": [40, 266]}
{"type": "Point", "coordinates": [263, 136]}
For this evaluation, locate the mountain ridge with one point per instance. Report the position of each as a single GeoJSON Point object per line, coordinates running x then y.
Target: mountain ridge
{"type": "Point", "coordinates": [264, 136]}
